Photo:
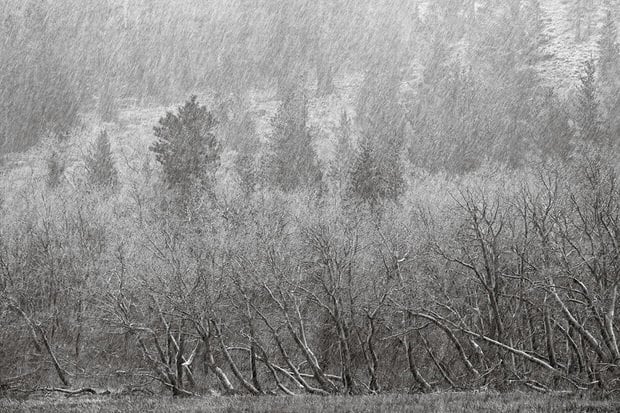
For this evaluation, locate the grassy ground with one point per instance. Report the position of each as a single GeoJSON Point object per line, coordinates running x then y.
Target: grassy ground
{"type": "Point", "coordinates": [438, 402]}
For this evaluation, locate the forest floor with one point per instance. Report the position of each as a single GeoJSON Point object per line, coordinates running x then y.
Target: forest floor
{"type": "Point", "coordinates": [436, 402]}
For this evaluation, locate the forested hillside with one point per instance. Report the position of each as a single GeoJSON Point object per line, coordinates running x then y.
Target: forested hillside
{"type": "Point", "coordinates": [309, 196]}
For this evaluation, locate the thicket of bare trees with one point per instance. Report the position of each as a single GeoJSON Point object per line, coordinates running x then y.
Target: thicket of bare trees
{"type": "Point", "coordinates": [499, 281]}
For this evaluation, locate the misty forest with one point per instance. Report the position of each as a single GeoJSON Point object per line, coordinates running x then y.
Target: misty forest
{"type": "Point", "coordinates": [309, 197]}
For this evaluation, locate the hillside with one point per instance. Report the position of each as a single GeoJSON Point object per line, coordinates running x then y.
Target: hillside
{"type": "Point", "coordinates": [561, 68]}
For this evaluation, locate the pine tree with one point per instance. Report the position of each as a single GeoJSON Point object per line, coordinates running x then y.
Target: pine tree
{"type": "Point", "coordinates": [186, 147]}
{"type": "Point", "coordinates": [343, 155]}
{"type": "Point", "coordinates": [344, 128]}
{"type": "Point", "coordinates": [377, 173]}
{"type": "Point", "coordinates": [365, 177]}
{"type": "Point", "coordinates": [507, 46]}
{"type": "Point", "coordinates": [293, 162]}
{"type": "Point", "coordinates": [100, 163]}
{"type": "Point", "coordinates": [247, 146]}
{"type": "Point", "coordinates": [373, 178]}
{"type": "Point", "coordinates": [588, 105]}
{"type": "Point", "coordinates": [56, 167]}
{"type": "Point", "coordinates": [553, 133]}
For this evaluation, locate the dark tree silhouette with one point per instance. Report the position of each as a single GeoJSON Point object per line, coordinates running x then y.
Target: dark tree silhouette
{"type": "Point", "coordinates": [100, 163]}
{"type": "Point", "coordinates": [186, 147]}
{"type": "Point", "coordinates": [293, 162]}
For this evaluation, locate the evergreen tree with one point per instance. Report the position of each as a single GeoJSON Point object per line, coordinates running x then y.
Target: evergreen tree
{"type": "Point", "coordinates": [588, 105]}
{"type": "Point", "coordinates": [554, 136]}
{"type": "Point", "coordinates": [438, 112]}
{"type": "Point", "coordinates": [247, 145]}
{"type": "Point", "coordinates": [373, 178]}
{"type": "Point", "coordinates": [343, 155]}
{"type": "Point", "coordinates": [100, 163]}
{"type": "Point", "coordinates": [56, 167]}
{"type": "Point", "coordinates": [344, 128]}
{"type": "Point", "coordinates": [377, 172]}
{"type": "Point", "coordinates": [365, 177]}
{"type": "Point", "coordinates": [507, 48]}
{"type": "Point", "coordinates": [293, 162]}
{"type": "Point", "coordinates": [186, 147]}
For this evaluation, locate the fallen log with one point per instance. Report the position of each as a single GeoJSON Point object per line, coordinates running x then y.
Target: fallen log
{"type": "Point", "coordinates": [75, 392]}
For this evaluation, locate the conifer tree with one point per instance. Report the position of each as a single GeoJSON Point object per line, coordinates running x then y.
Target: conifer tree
{"type": "Point", "coordinates": [373, 178]}
{"type": "Point", "coordinates": [56, 167]}
{"type": "Point", "coordinates": [506, 48]}
{"type": "Point", "coordinates": [100, 163]}
{"type": "Point", "coordinates": [377, 172]}
{"type": "Point", "coordinates": [343, 155]}
{"type": "Point", "coordinates": [366, 180]}
{"type": "Point", "coordinates": [293, 162]}
{"type": "Point", "coordinates": [588, 105]}
{"type": "Point", "coordinates": [247, 146]}
{"type": "Point", "coordinates": [187, 148]}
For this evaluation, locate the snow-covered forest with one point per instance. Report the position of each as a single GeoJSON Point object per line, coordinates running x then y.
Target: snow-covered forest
{"type": "Point", "coordinates": [309, 196]}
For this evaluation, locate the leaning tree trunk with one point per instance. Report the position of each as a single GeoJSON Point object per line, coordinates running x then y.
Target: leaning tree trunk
{"type": "Point", "coordinates": [413, 369]}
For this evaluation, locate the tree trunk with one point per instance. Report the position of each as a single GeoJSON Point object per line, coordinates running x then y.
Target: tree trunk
{"type": "Point", "coordinates": [59, 370]}
{"type": "Point", "coordinates": [550, 339]}
{"type": "Point", "coordinates": [412, 366]}
{"type": "Point", "coordinates": [210, 360]}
